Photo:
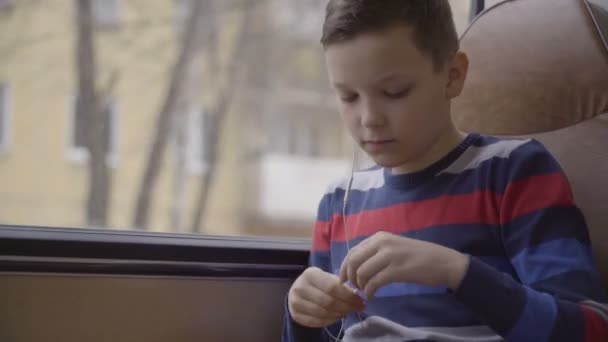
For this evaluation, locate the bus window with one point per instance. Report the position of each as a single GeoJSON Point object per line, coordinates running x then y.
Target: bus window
{"type": "Point", "coordinates": [184, 116]}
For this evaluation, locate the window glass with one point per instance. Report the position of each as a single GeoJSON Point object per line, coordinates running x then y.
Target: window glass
{"type": "Point", "coordinates": [106, 13]}
{"type": "Point", "coordinates": [80, 129]}
{"type": "Point", "coordinates": [219, 111]}
{"type": "Point", "coordinates": [3, 117]}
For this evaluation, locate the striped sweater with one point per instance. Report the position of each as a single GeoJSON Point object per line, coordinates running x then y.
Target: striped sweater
{"type": "Point", "coordinates": [508, 205]}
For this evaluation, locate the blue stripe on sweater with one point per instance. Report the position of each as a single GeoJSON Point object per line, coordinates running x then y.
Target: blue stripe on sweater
{"type": "Point", "coordinates": [537, 320]}
{"type": "Point", "coordinates": [553, 258]}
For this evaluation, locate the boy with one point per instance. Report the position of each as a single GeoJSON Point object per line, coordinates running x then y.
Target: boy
{"type": "Point", "coordinates": [451, 237]}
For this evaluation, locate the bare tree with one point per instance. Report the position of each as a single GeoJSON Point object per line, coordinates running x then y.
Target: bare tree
{"type": "Point", "coordinates": [218, 115]}
{"type": "Point", "coordinates": [182, 139]}
{"type": "Point", "coordinates": [179, 177]}
{"type": "Point", "coordinates": [165, 120]}
{"type": "Point", "coordinates": [95, 113]}
{"type": "Point", "coordinates": [92, 106]}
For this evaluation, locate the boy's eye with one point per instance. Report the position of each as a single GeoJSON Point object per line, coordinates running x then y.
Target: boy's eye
{"type": "Point", "coordinates": [349, 97]}
{"type": "Point", "coordinates": [396, 94]}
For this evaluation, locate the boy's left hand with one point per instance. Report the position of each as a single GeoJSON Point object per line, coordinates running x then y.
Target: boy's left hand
{"type": "Point", "coordinates": [386, 258]}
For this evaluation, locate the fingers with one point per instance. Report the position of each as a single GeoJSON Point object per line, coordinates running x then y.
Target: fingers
{"type": "Point", "coordinates": [330, 284]}
{"type": "Point", "coordinates": [378, 280]}
{"type": "Point", "coordinates": [371, 267]}
{"type": "Point", "coordinates": [318, 299]}
{"type": "Point", "coordinates": [357, 256]}
{"type": "Point", "coordinates": [333, 304]}
{"type": "Point", "coordinates": [304, 306]}
{"type": "Point", "coordinates": [345, 294]}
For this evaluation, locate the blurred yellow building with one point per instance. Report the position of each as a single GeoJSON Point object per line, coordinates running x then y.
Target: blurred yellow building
{"type": "Point", "coordinates": [281, 129]}
{"type": "Point", "coordinates": [42, 174]}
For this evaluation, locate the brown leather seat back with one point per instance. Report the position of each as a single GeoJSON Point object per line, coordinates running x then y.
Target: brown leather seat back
{"type": "Point", "coordinates": [539, 68]}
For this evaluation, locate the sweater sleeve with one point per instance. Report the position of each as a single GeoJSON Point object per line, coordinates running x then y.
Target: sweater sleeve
{"type": "Point", "coordinates": [557, 296]}
{"type": "Point", "coordinates": [319, 257]}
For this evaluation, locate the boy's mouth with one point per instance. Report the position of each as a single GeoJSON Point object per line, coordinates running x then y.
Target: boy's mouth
{"type": "Point", "coordinates": [377, 145]}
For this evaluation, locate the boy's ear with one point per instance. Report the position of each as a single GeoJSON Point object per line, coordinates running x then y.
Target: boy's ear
{"type": "Point", "coordinates": [458, 67]}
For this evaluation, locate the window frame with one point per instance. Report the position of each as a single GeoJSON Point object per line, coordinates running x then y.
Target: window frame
{"type": "Point", "coordinates": [27, 249]}
{"type": "Point", "coordinates": [594, 7]}
{"type": "Point", "coordinates": [477, 6]}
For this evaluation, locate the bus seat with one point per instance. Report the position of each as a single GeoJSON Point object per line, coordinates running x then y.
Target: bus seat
{"type": "Point", "coordinates": [539, 69]}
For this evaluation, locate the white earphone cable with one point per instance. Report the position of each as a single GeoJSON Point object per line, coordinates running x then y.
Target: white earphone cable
{"type": "Point", "coordinates": [344, 207]}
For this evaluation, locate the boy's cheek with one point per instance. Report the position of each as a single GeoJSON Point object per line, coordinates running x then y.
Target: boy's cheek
{"type": "Point", "coordinates": [354, 130]}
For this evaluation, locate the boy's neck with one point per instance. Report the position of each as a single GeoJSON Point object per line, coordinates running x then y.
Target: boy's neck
{"type": "Point", "coordinates": [442, 146]}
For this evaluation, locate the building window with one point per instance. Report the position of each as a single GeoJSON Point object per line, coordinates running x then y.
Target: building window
{"type": "Point", "coordinates": [294, 137]}
{"type": "Point", "coordinates": [77, 150]}
{"type": "Point", "coordinates": [4, 117]}
{"type": "Point", "coordinates": [106, 13]}
{"type": "Point", "coordinates": [182, 11]}
{"type": "Point", "coordinates": [300, 19]}
{"type": "Point", "coordinates": [199, 143]}
{"type": "Point", "coordinates": [282, 137]}
{"type": "Point", "coordinates": [6, 5]}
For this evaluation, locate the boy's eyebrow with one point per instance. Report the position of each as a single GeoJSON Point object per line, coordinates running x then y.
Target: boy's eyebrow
{"type": "Point", "coordinates": [381, 79]}
{"type": "Point", "coordinates": [393, 76]}
{"type": "Point", "coordinates": [340, 86]}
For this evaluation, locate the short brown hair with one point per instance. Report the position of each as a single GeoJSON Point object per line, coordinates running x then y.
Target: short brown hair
{"type": "Point", "coordinates": [432, 21]}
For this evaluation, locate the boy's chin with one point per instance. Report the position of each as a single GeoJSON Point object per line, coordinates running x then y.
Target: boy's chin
{"type": "Point", "coordinates": [388, 162]}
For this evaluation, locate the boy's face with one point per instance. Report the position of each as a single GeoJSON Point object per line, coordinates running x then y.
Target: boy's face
{"type": "Point", "coordinates": [394, 102]}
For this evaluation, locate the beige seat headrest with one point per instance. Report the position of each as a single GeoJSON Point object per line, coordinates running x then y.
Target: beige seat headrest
{"type": "Point", "coordinates": [536, 66]}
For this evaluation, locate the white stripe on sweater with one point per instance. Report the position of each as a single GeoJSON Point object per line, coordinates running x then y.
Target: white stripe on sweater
{"type": "Point", "coordinates": [376, 328]}
{"type": "Point", "coordinates": [474, 156]}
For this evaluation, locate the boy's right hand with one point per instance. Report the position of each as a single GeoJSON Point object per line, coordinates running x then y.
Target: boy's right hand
{"type": "Point", "coordinates": [317, 299]}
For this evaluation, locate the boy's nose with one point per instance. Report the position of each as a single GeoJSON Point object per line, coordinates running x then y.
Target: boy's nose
{"type": "Point", "coordinates": [372, 116]}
